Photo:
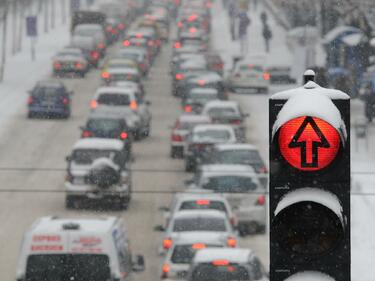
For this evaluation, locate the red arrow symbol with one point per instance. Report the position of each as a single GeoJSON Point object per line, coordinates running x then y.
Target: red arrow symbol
{"type": "Point", "coordinates": [309, 138]}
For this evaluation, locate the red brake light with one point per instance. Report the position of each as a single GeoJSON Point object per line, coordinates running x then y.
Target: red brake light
{"type": "Point", "coordinates": [203, 202]}
{"type": "Point", "coordinates": [167, 243]}
{"type": "Point", "coordinates": [236, 122]}
{"type": "Point", "coordinates": [133, 105]}
{"type": "Point", "coordinates": [150, 43]}
{"type": "Point", "coordinates": [126, 43]}
{"type": "Point", "coordinates": [209, 5]}
{"type": "Point", "coordinates": [192, 17]}
{"type": "Point", "coordinates": [177, 138]}
{"type": "Point", "coordinates": [179, 76]}
{"type": "Point", "coordinates": [105, 75]}
{"type": "Point", "coordinates": [177, 45]}
{"type": "Point", "coordinates": [201, 82]}
{"type": "Point", "coordinates": [266, 76]}
{"type": "Point", "coordinates": [57, 65]}
{"type": "Point", "coordinates": [94, 54]}
{"type": "Point", "coordinates": [180, 24]}
{"type": "Point", "coordinates": [263, 170]}
{"type": "Point", "coordinates": [198, 246]}
{"type": "Point", "coordinates": [139, 35]}
{"type": "Point", "coordinates": [86, 134]}
{"type": "Point", "coordinates": [218, 66]}
{"type": "Point", "coordinates": [121, 26]}
{"type": "Point", "coordinates": [220, 262]}
{"type": "Point", "coordinates": [30, 100]}
{"type": "Point", "coordinates": [79, 65]}
{"type": "Point", "coordinates": [65, 101]}
{"type": "Point", "coordinates": [192, 29]}
{"type": "Point", "coordinates": [101, 46]}
{"type": "Point", "coordinates": [261, 200]}
{"type": "Point", "coordinates": [165, 270]}
{"type": "Point", "coordinates": [93, 104]}
{"type": "Point", "coordinates": [232, 242]}
{"type": "Point", "coordinates": [123, 136]}
{"type": "Point", "coordinates": [188, 109]}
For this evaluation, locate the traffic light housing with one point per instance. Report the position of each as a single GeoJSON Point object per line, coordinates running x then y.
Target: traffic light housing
{"type": "Point", "coordinates": [309, 184]}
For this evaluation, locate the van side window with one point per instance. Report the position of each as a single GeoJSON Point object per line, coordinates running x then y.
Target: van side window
{"type": "Point", "coordinates": [257, 269]}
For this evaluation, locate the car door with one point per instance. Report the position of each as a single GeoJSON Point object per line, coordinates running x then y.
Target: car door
{"type": "Point", "coordinates": [143, 110]}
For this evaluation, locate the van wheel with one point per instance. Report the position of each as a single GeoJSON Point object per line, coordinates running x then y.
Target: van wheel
{"type": "Point", "coordinates": [30, 115]}
{"type": "Point", "coordinates": [70, 203]}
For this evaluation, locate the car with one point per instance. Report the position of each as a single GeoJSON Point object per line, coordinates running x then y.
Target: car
{"type": "Point", "coordinates": [181, 129]}
{"type": "Point", "coordinates": [197, 98]}
{"type": "Point", "coordinates": [138, 88]}
{"type": "Point", "coordinates": [70, 60]}
{"type": "Point", "coordinates": [142, 43]}
{"type": "Point", "coordinates": [136, 53]}
{"type": "Point", "coordinates": [177, 260]}
{"type": "Point", "coordinates": [198, 201]}
{"type": "Point", "coordinates": [90, 159]}
{"type": "Point", "coordinates": [184, 71]}
{"type": "Point", "coordinates": [205, 222]}
{"type": "Point", "coordinates": [226, 264]}
{"type": "Point", "coordinates": [49, 98]}
{"type": "Point", "coordinates": [117, 63]}
{"type": "Point", "coordinates": [239, 154]}
{"type": "Point", "coordinates": [60, 246]}
{"type": "Point", "coordinates": [202, 138]}
{"type": "Point", "coordinates": [281, 75]}
{"type": "Point", "coordinates": [204, 79]}
{"type": "Point", "coordinates": [249, 76]}
{"type": "Point", "coordinates": [227, 112]}
{"type": "Point", "coordinates": [215, 63]}
{"type": "Point", "coordinates": [124, 73]}
{"type": "Point", "coordinates": [95, 31]}
{"type": "Point", "coordinates": [242, 188]}
{"type": "Point", "coordinates": [108, 126]}
{"type": "Point", "coordinates": [88, 47]}
{"type": "Point", "coordinates": [126, 103]}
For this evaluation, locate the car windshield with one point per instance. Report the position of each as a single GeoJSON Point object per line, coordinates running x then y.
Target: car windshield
{"type": "Point", "coordinates": [199, 224]}
{"type": "Point", "coordinates": [203, 204]}
{"type": "Point", "coordinates": [47, 92]}
{"type": "Point", "coordinates": [183, 254]}
{"type": "Point", "coordinates": [67, 267]}
{"type": "Point", "coordinates": [211, 135]}
{"type": "Point", "coordinates": [114, 99]}
{"type": "Point", "coordinates": [87, 156]}
{"type": "Point", "coordinates": [241, 156]}
{"type": "Point", "coordinates": [232, 184]}
{"type": "Point", "coordinates": [210, 272]}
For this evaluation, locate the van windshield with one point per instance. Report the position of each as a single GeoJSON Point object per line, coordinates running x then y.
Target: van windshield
{"type": "Point", "coordinates": [209, 272]}
{"type": "Point", "coordinates": [67, 267]}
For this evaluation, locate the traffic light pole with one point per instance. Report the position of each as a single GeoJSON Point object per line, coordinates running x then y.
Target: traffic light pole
{"type": "Point", "coordinates": [309, 184]}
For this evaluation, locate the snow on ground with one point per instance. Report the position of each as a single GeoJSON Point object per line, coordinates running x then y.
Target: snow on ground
{"type": "Point", "coordinates": [362, 223]}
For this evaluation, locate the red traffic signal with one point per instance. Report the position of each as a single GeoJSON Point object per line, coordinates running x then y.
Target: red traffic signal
{"type": "Point", "coordinates": [308, 143]}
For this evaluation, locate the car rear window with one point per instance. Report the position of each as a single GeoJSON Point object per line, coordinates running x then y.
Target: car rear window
{"type": "Point", "coordinates": [199, 224]}
{"type": "Point", "coordinates": [250, 68]}
{"type": "Point", "coordinates": [233, 184]}
{"type": "Point", "coordinates": [222, 111]}
{"type": "Point", "coordinates": [183, 254]}
{"type": "Point", "coordinates": [114, 99]}
{"type": "Point", "coordinates": [104, 125]}
{"type": "Point", "coordinates": [246, 157]}
{"type": "Point", "coordinates": [87, 156]}
{"type": "Point", "coordinates": [230, 272]}
{"type": "Point", "coordinates": [203, 204]}
{"type": "Point", "coordinates": [47, 92]}
{"type": "Point", "coordinates": [211, 135]}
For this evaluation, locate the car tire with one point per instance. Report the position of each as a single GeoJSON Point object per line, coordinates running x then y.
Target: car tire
{"type": "Point", "coordinates": [70, 203]}
{"type": "Point", "coordinates": [369, 118]}
{"type": "Point", "coordinates": [30, 115]}
{"type": "Point", "coordinates": [189, 166]}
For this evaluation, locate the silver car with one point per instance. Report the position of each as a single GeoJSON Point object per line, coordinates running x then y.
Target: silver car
{"type": "Point", "coordinates": [241, 187]}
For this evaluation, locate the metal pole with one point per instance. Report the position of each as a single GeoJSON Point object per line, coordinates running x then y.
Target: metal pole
{"type": "Point", "coordinates": [14, 26]}
{"type": "Point", "coordinates": [63, 11]}
{"type": "Point", "coordinates": [3, 50]}
{"type": "Point", "coordinates": [20, 25]}
{"type": "Point", "coordinates": [53, 6]}
{"type": "Point", "coordinates": [45, 16]}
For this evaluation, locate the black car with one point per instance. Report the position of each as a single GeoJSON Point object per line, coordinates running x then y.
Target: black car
{"type": "Point", "coordinates": [100, 125]}
{"type": "Point", "coordinates": [49, 98]}
{"type": "Point", "coordinates": [196, 99]}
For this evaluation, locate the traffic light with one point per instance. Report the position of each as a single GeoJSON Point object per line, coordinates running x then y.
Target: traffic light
{"type": "Point", "coordinates": [309, 184]}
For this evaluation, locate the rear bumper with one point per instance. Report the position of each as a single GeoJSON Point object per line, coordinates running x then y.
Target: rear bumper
{"type": "Point", "coordinates": [49, 109]}
{"type": "Point", "coordinates": [93, 192]}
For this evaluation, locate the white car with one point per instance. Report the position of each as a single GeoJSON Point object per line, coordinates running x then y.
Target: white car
{"type": "Point", "coordinates": [249, 76]}
{"type": "Point", "coordinates": [128, 103]}
{"type": "Point", "coordinates": [241, 186]}
{"type": "Point", "coordinates": [202, 138]}
{"type": "Point", "coordinates": [56, 246]}
{"type": "Point", "coordinates": [115, 74]}
{"type": "Point", "coordinates": [95, 31]}
{"type": "Point", "coordinates": [205, 222]}
{"type": "Point", "coordinates": [226, 264]}
{"type": "Point", "coordinates": [181, 129]}
{"type": "Point", "coordinates": [177, 260]}
{"type": "Point", "coordinates": [227, 112]}
{"type": "Point", "coordinates": [87, 155]}
{"type": "Point", "coordinates": [198, 201]}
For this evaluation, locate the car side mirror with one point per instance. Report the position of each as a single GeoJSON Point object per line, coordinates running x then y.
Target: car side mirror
{"type": "Point", "coordinates": [159, 228]}
{"type": "Point", "coordinates": [147, 102]}
{"type": "Point", "coordinates": [68, 158]}
{"type": "Point", "coordinates": [139, 264]}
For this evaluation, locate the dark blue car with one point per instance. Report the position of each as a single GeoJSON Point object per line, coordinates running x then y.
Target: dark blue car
{"type": "Point", "coordinates": [48, 99]}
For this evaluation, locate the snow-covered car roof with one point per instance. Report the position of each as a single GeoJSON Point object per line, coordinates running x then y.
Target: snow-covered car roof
{"type": "Point", "coordinates": [88, 225]}
{"type": "Point", "coordinates": [191, 118]}
{"type": "Point", "coordinates": [126, 85]}
{"type": "Point", "coordinates": [206, 78]}
{"type": "Point", "coordinates": [91, 26]}
{"type": "Point", "coordinates": [191, 237]}
{"type": "Point", "coordinates": [197, 196]}
{"type": "Point", "coordinates": [199, 214]}
{"type": "Point", "coordinates": [205, 91]}
{"type": "Point", "coordinates": [233, 255]}
{"type": "Point", "coordinates": [114, 90]}
{"type": "Point", "coordinates": [228, 169]}
{"type": "Point", "coordinates": [123, 70]}
{"type": "Point", "coordinates": [50, 83]}
{"type": "Point", "coordinates": [235, 146]}
{"type": "Point", "coordinates": [71, 50]}
{"type": "Point", "coordinates": [205, 127]}
{"type": "Point", "coordinates": [99, 143]}
{"type": "Point", "coordinates": [221, 104]}
{"type": "Point", "coordinates": [133, 50]}
{"type": "Point", "coordinates": [193, 64]}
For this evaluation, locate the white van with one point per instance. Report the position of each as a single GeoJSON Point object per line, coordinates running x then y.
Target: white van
{"type": "Point", "coordinates": [85, 249]}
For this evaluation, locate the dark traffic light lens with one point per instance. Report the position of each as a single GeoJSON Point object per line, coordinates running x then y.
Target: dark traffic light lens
{"type": "Point", "coordinates": [307, 228]}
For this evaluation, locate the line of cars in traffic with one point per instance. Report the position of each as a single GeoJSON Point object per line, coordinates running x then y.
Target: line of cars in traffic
{"type": "Point", "coordinates": [225, 198]}
{"type": "Point", "coordinates": [98, 248]}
